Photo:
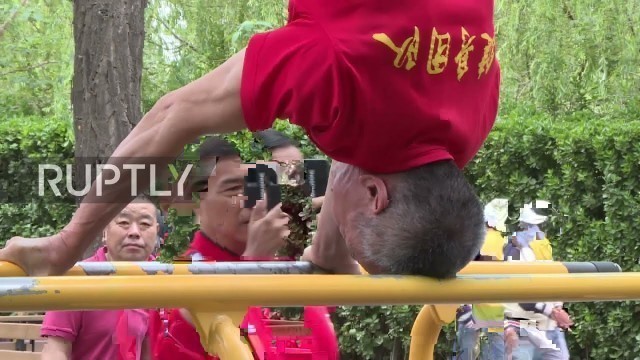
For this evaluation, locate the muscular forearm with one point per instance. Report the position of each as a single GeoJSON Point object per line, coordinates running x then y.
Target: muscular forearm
{"type": "Point", "coordinates": [150, 144]}
{"type": "Point", "coordinates": [210, 104]}
{"type": "Point", "coordinates": [329, 249]}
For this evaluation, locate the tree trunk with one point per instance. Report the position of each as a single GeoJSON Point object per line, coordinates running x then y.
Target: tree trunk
{"type": "Point", "coordinates": [109, 38]}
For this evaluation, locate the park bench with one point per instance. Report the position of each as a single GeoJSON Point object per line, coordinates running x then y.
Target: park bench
{"type": "Point", "coordinates": [20, 336]}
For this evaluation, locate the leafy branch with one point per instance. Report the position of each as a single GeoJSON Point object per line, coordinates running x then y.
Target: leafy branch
{"type": "Point", "coordinates": [12, 17]}
{"type": "Point", "coordinates": [178, 37]}
{"type": "Point", "coordinates": [177, 242]}
{"type": "Point", "coordinates": [29, 68]}
{"type": "Point", "coordinates": [298, 206]}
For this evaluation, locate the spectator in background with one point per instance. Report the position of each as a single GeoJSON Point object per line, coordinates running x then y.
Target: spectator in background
{"type": "Point", "coordinates": [283, 150]}
{"type": "Point", "coordinates": [495, 214]}
{"type": "Point", "coordinates": [519, 246]}
{"type": "Point", "coordinates": [531, 219]}
{"type": "Point", "coordinates": [228, 232]}
{"type": "Point", "coordinates": [530, 223]}
{"type": "Point", "coordinates": [535, 330]}
{"type": "Point", "coordinates": [531, 331]}
{"type": "Point", "coordinates": [485, 318]}
{"type": "Point", "coordinates": [108, 334]}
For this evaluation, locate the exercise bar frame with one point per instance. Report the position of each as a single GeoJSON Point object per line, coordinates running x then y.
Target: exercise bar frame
{"type": "Point", "coordinates": [218, 294]}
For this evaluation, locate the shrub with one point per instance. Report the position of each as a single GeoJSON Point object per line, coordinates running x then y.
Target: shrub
{"type": "Point", "coordinates": [26, 143]}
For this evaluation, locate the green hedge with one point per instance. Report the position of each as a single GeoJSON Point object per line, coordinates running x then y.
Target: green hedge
{"type": "Point", "coordinates": [27, 142]}
{"type": "Point", "coordinates": [587, 167]}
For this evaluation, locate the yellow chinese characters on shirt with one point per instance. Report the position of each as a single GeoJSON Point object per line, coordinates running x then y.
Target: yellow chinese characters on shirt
{"type": "Point", "coordinates": [406, 54]}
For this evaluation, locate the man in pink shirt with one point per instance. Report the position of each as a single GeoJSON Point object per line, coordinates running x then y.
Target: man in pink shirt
{"type": "Point", "coordinates": [108, 334]}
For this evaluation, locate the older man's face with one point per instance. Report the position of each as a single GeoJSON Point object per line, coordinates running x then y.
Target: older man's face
{"type": "Point", "coordinates": [221, 212]}
{"type": "Point", "coordinates": [287, 154]}
{"type": "Point", "coordinates": [358, 199]}
{"type": "Point", "coordinates": [132, 234]}
{"type": "Point", "coordinates": [348, 204]}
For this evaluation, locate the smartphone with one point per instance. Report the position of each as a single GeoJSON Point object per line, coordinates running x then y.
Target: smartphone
{"type": "Point", "coordinates": [316, 173]}
{"type": "Point", "coordinates": [261, 182]}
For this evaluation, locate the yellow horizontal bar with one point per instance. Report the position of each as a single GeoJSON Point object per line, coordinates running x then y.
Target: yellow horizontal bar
{"type": "Point", "coordinates": [520, 267]}
{"type": "Point", "coordinates": [154, 268]}
{"type": "Point", "coordinates": [115, 292]}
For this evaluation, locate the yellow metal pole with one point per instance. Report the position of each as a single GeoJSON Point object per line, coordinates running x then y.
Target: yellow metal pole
{"type": "Point", "coordinates": [429, 322]}
{"type": "Point", "coordinates": [427, 326]}
{"type": "Point", "coordinates": [219, 332]}
{"type": "Point", "coordinates": [495, 267]}
{"type": "Point", "coordinates": [296, 267]}
{"type": "Point", "coordinates": [227, 343]}
{"type": "Point", "coordinates": [116, 292]}
{"type": "Point", "coordinates": [426, 329]}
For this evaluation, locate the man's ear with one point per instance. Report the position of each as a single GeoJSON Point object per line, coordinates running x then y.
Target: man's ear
{"type": "Point", "coordinates": [377, 194]}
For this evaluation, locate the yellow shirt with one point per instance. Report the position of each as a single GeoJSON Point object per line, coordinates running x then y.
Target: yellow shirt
{"type": "Point", "coordinates": [493, 244]}
{"type": "Point", "coordinates": [542, 249]}
{"type": "Point", "coordinates": [488, 315]}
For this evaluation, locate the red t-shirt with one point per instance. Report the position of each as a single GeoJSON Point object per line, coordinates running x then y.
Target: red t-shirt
{"type": "Point", "coordinates": [383, 85]}
{"type": "Point", "coordinates": [202, 248]}
{"type": "Point", "coordinates": [178, 339]}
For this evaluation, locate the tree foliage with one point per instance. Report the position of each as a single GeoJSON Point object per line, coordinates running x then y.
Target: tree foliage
{"type": "Point", "coordinates": [36, 58]}
{"type": "Point", "coordinates": [588, 168]}
{"type": "Point", "coordinates": [564, 56]}
{"type": "Point", "coordinates": [26, 143]}
{"type": "Point", "coordinates": [556, 57]}
{"type": "Point", "coordinates": [188, 38]}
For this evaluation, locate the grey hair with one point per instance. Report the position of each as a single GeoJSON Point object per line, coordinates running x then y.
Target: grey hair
{"type": "Point", "coordinates": [433, 226]}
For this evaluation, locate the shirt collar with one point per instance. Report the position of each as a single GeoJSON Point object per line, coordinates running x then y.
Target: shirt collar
{"type": "Point", "coordinates": [209, 249]}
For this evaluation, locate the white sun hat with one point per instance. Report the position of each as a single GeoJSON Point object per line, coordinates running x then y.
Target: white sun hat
{"type": "Point", "coordinates": [529, 216]}
{"type": "Point", "coordinates": [496, 213]}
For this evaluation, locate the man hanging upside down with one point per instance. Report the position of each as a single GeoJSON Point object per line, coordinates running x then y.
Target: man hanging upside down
{"type": "Point", "coordinates": [400, 94]}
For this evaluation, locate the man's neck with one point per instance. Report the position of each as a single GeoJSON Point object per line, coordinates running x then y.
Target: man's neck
{"type": "Point", "coordinates": [224, 242]}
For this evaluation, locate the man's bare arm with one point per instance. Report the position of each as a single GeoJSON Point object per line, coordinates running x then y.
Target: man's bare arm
{"type": "Point", "coordinates": [56, 348]}
{"type": "Point", "coordinates": [328, 249]}
{"type": "Point", "coordinates": [316, 202]}
{"type": "Point", "coordinates": [210, 104]}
